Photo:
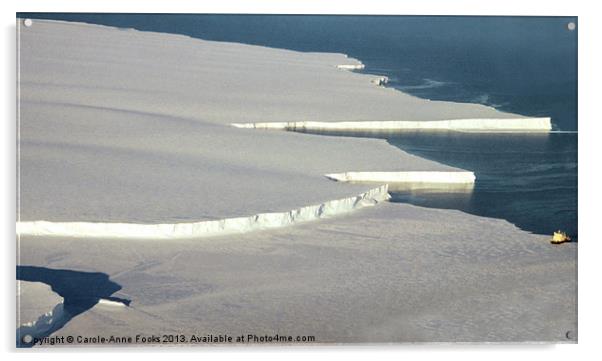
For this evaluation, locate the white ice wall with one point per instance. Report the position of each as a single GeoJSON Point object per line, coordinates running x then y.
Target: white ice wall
{"type": "Point", "coordinates": [351, 66]}
{"type": "Point", "coordinates": [205, 228]}
{"type": "Point", "coordinates": [405, 177]}
{"type": "Point", "coordinates": [477, 125]}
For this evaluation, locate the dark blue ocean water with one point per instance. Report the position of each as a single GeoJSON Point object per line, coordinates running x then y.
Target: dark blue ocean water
{"type": "Point", "coordinates": [526, 65]}
{"type": "Point", "coordinates": [528, 179]}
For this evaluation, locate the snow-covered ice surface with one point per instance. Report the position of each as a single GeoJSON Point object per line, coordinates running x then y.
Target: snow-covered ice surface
{"type": "Point", "coordinates": [223, 83]}
{"type": "Point", "coordinates": [118, 125]}
{"type": "Point", "coordinates": [39, 311]}
{"type": "Point", "coordinates": [390, 273]}
{"type": "Point", "coordinates": [33, 300]}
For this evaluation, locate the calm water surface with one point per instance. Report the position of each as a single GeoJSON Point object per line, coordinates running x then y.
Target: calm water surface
{"type": "Point", "coordinates": [529, 180]}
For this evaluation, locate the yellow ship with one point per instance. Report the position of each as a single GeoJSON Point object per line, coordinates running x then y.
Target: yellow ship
{"type": "Point", "coordinates": [560, 237]}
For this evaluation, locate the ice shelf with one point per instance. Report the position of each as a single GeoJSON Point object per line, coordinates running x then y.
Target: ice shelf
{"type": "Point", "coordinates": [205, 228]}
{"type": "Point", "coordinates": [110, 146]}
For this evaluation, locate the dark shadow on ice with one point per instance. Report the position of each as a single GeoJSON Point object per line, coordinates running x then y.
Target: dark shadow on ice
{"type": "Point", "coordinates": [80, 290]}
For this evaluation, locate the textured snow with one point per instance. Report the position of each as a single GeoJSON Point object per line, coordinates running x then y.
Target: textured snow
{"type": "Point", "coordinates": [382, 274]}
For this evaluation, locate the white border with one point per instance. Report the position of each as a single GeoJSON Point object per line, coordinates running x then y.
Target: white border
{"type": "Point", "coordinates": [435, 7]}
{"type": "Point", "coordinates": [589, 150]}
